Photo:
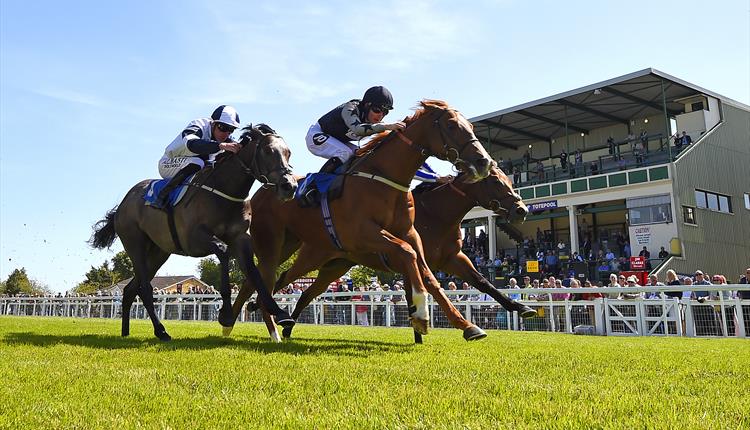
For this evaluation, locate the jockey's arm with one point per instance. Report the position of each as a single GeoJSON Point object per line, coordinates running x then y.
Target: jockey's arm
{"type": "Point", "coordinates": [349, 115]}
{"type": "Point", "coordinates": [194, 142]}
{"type": "Point", "coordinates": [426, 174]}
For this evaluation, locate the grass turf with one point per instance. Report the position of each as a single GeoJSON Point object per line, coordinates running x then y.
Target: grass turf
{"type": "Point", "coordinates": [77, 373]}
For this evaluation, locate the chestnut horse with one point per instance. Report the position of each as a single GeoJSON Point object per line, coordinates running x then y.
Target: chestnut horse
{"type": "Point", "coordinates": [374, 214]}
{"type": "Point", "coordinates": [210, 220]}
{"type": "Point", "coordinates": [440, 208]}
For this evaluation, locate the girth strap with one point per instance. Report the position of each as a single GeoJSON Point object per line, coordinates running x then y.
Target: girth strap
{"type": "Point", "coordinates": [221, 194]}
{"type": "Point", "coordinates": [173, 229]}
{"type": "Point", "coordinates": [328, 221]}
{"type": "Point", "coordinates": [386, 181]}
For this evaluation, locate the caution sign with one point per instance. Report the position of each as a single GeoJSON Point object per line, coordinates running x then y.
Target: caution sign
{"type": "Point", "coordinates": [532, 266]}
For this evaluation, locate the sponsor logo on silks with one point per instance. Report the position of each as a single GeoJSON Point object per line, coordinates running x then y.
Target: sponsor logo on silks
{"type": "Point", "coordinates": [319, 138]}
{"type": "Point", "coordinates": [542, 206]}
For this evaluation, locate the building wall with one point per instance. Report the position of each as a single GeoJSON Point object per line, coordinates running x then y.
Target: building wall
{"type": "Point", "coordinates": [720, 243]}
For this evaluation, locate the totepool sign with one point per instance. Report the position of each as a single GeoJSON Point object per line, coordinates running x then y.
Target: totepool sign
{"type": "Point", "coordinates": [542, 206]}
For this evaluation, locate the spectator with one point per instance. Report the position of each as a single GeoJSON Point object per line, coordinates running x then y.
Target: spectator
{"type": "Point", "coordinates": [700, 279]}
{"type": "Point", "coordinates": [644, 253]}
{"type": "Point", "coordinates": [594, 168]}
{"type": "Point", "coordinates": [513, 285]}
{"type": "Point", "coordinates": [663, 254]}
{"type": "Point", "coordinates": [579, 161]}
{"type": "Point", "coordinates": [639, 147]}
{"type": "Point", "coordinates": [744, 280]}
{"type": "Point", "coordinates": [361, 309]}
{"type": "Point", "coordinates": [685, 139]}
{"type": "Point", "coordinates": [672, 280]}
{"type": "Point", "coordinates": [577, 258]}
{"type": "Point", "coordinates": [632, 282]}
{"type": "Point", "coordinates": [516, 176]}
{"type": "Point", "coordinates": [526, 158]}
{"type": "Point", "coordinates": [539, 172]}
{"type": "Point", "coordinates": [612, 146]}
{"type": "Point", "coordinates": [564, 160]}
{"type": "Point", "coordinates": [677, 141]}
{"type": "Point", "coordinates": [653, 281]}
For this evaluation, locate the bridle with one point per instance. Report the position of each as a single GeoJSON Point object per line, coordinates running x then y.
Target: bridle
{"type": "Point", "coordinates": [254, 169]}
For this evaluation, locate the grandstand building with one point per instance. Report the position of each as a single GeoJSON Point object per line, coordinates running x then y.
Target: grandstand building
{"type": "Point", "coordinates": [637, 175]}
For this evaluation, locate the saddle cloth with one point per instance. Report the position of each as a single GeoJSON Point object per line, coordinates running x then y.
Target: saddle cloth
{"type": "Point", "coordinates": [155, 186]}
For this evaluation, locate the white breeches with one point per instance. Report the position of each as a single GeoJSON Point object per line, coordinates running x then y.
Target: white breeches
{"type": "Point", "coordinates": [326, 146]}
{"type": "Point", "coordinates": [168, 167]}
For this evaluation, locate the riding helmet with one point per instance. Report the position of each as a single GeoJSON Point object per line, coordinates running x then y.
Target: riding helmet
{"type": "Point", "coordinates": [226, 114]}
{"type": "Point", "coordinates": [378, 96]}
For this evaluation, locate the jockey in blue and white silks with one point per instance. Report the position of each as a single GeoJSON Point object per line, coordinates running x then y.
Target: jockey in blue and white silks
{"type": "Point", "coordinates": [198, 142]}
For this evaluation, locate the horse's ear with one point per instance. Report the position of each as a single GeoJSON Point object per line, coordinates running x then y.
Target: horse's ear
{"type": "Point", "coordinates": [265, 129]}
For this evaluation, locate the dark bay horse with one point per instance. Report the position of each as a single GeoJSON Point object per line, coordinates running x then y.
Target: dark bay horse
{"type": "Point", "coordinates": [374, 215]}
{"type": "Point", "coordinates": [440, 208]}
{"type": "Point", "coordinates": [210, 220]}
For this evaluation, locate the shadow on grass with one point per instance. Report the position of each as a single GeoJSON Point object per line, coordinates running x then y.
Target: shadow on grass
{"type": "Point", "coordinates": [296, 346]}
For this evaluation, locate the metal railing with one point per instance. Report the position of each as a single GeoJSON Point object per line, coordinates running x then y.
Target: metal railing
{"type": "Point", "coordinates": [722, 314]}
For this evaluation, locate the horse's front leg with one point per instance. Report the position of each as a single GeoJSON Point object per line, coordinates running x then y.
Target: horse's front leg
{"type": "Point", "coordinates": [226, 318]}
{"type": "Point", "coordinates": [459, 265]}
{"type": "Point", "coordinates": [326, 274]}
{"type": "Point", "coordinates": [378, 240]}
{"type": "Point", "coordinates": [471, 331]}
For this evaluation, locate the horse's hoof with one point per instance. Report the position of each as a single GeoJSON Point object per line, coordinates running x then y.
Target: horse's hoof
{"type": "Point", "coordinates": [252, 307]}
{"type": "Point", "coordinates": [474, 333]}
{"type": "Point", "coordinates": [526, 312]}
{"type": "Point", "coordinates": [285, 321]}
{"type": "Point", "coordinates": [286, 332]}
{"type": "Point", "coordinates": [226, 331]}
{"type": "Point", "coordinates": [419, 325]}
{"type": "Point", "coordinates": [226, 318]}
{"type": "Point", "coordinates": [161, 333]}
{"type": "Point", "coordinates": [163, 336]}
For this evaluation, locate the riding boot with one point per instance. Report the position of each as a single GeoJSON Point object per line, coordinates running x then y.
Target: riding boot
{"type": "Point", "coordinates": [331, 165]}
{"type": "Point", "coordinates": [162, 200]}
{"type": "Point", "coordinates": [312, 195]}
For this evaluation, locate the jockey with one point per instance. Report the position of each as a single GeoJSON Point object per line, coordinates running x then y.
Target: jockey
{"type": "Point", "coordinates": [333, 135]}
{"type": "Point", "coordinates": [199, 142]}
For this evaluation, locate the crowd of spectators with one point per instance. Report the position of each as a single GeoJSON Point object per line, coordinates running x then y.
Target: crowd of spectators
{"type": "Point", "coordinates": [573, 165]}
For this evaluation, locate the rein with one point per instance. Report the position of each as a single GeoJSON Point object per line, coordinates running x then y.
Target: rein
{"type": "Point", "coordinates": [425, 153]}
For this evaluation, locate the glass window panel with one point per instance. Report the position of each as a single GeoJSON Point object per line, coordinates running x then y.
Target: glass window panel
{"type": "Point", "coordinates": [747, 201]}
{"type": "Point", "coordinates": [713, 201]}
{"type": "Point", "coordinates": [700, 199]}
{"type": "Point", "coordinates": [688, 214]}
{"type": "Point", "coordinates": [724, 204]}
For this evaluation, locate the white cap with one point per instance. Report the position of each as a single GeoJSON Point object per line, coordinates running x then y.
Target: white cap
{"type": "Point", "coordinates": [226, 114]}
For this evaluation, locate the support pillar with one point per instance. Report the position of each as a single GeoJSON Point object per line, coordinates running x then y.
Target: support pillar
{"type": "Point", "coordinates": [491, 237]}
{"type": "Point", "coordinates": [573, 219]}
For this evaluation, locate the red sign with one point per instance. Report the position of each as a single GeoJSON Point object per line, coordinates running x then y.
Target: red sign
{"type": "Point", "coordinates": [637, 263]}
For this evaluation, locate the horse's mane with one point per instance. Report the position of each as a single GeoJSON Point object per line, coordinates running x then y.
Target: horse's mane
{"type": "Point", "coordinates": [424, 105]}
{"type": "Point", "coordinates": [424, 187]}
{"type": "Point", "coordinates": [249, 132]}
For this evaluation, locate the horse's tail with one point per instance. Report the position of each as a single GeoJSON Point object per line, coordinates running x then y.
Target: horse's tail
{"type": "Point", "coordinates": [104, 231]}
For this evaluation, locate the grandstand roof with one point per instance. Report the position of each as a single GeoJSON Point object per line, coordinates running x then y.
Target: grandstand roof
{"type": "Point", "coordinates": [615, 101]}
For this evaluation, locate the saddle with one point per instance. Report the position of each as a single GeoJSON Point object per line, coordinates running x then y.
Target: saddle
{"type": "Point", "coordinates": [155, 186]}
{"type": "Point", "coordinates": [315, 185]}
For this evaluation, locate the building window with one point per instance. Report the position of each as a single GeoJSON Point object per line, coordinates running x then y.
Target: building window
{"type": "Point", "coordinates": [650, 210]}
{"type": "Point", "coordinates": [747, 201]}
{"type": "Point", "coordinates": [713, 201]}
{"type": "Point", "coordinates": [688, 215]}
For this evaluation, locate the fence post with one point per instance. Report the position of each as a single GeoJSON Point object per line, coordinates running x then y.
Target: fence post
{"type": "Point", "coordinates": [388, 305]}
{"type": "Point", "coordinates": [723, 314]}
{"type": "Point", "coordinates": [740, 317]}
{"type": "Point", "coordinates": [163, 309]}
{"type": "Point", "coordinates": [689, 323]}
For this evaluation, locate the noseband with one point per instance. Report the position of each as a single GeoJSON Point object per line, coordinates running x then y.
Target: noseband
{"type": "Point", "coordinates": [254, 168]}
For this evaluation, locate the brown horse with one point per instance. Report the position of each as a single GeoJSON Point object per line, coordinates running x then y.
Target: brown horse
{"type": "Point", "coordinates": [439, 211]}
{"type": "Point", "coordinates": [210, 220]}
{"type": "Point", "coordinates": [374, 215]}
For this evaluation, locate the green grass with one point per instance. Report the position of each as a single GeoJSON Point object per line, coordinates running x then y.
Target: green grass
{"type": "Point", "coordinates": [75, 373]}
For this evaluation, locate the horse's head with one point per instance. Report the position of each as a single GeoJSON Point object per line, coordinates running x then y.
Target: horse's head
{"type": "Point", "coordinates": [495, 193]}
{"type": "Point", "coordinates": [266, 156]}
{"type": "Point", "coordinates": [451, 137]}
